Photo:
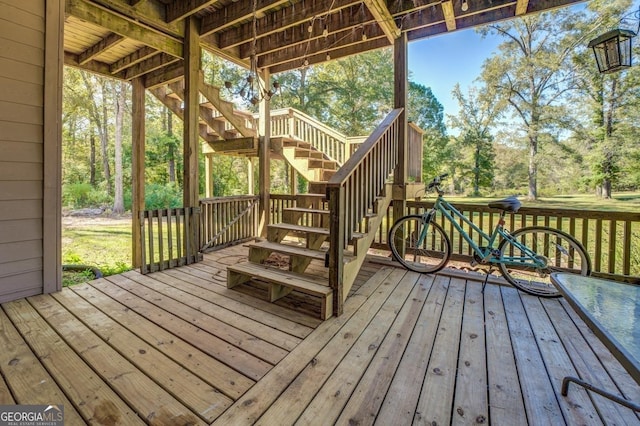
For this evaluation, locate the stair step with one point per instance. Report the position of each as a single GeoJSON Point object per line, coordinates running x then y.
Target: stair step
{"type": "Point", "coordinates": [282, 283]}
{"type": "Point", "coordinates": [303, 210]}
{"type": "Point", "coordinates": [299, 228]}
{"type": "Point", "coordinates": [290, 250]}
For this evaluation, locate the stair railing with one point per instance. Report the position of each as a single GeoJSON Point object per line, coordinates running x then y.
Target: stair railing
{"type": "Point", "coordinates": [289, 122]}
{"type": "Point", "coordinates": [353, 190]}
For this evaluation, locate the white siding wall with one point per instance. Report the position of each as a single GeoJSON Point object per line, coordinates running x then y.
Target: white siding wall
{"type": "Point", "coordinates": [22, 59]}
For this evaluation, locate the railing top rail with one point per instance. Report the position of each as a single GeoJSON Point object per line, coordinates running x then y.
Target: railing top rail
{"type": "Point", "coordinates": [354, 161]}
{"type": "Point", "coordinates": [547, 211]}
{"type": "Point", "coordinates": [229, 198]}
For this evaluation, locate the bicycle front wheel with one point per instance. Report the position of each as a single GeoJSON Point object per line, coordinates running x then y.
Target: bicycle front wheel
{"type": "Point", "coordinates": [555, 251]}
{"type": "Point", "coordinates": [418, 252]}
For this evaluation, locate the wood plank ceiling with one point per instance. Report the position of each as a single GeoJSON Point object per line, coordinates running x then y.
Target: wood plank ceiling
{"type": "Point", "coordinates": [143, 38]}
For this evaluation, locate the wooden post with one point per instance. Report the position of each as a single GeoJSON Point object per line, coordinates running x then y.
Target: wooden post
{"type": "Point", "coordinates": [191, 196]}
{"type": "Point", "coordinates": [250, 176]}
{"type": "Point", "coordinates": [400, 101]}
{"type": "Point", "coordinates": [208, 168]}
{"type": "Point", "coordinates": [264, 160]}
{"type": "Point", "coordinates": [293, 181]}
{"type": "Point", "coordinates": [137, 166]}
{"type": "Point", "coordinates": [52, 147]}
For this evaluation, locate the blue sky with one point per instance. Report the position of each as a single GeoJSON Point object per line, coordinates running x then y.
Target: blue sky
{"type": "Point", "coordinates": [442, 61]}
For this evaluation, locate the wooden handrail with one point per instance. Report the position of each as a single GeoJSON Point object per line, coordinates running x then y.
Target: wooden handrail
{"type": "Point", "coordinates": [227, 221]}
{"type": "Point", "coordinates": [352, 192]}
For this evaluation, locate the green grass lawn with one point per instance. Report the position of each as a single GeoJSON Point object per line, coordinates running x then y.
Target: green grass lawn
{"type": "Point", "coordinates": [102, 244]}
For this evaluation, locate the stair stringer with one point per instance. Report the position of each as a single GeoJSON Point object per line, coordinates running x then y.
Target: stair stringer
{"type": "Point", "coordinates": [351, 269]}
{"type": "Point", "coordinates": [301, 164]}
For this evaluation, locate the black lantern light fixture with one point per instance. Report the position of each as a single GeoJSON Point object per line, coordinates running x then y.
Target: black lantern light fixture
{"type": "Point", "coordinates": [613, 50]}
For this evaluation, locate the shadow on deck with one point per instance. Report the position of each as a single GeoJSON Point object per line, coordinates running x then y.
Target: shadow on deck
{"type": "Point", "coordinates": [178, 347]}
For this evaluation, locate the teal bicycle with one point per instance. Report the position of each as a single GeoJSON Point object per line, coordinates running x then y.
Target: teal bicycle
{"type": "Point", "coordinates": [525, 257]}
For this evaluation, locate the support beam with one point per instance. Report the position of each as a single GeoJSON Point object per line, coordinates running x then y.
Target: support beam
{"type": "Point", "coordinates": [379, 10]}
{"type": "Point", "coordinates": [284, 18]}
{"type": "Point", "coordinates": [449, 16]}
{"type": "Point", "coordinates": [100, 47]}
{"type": "Point", "coordinates": [124, 27]}
{"type": "Point", "coordinates": [521, 7]}
{"type": "Point", "coordinates": [264, 159]}
{"type": "Point", "coordinates": [129, 61]}
{"type": "Point", "coordinates": [137, 166]}
{"type": "Point", "coordinates": [183, 8]}
{"type": "Point", "coordinates": [400, 98]}
{"type": "Point", "coordinates": [191, 114]}
{"type": "Point", "coordinates": [191, 142]}
{"type": "Point", "coordinates": [52, 147]}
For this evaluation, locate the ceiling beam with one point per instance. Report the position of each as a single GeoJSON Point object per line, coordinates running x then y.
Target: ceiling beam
{"type": "Point", "coordinates": [96, 67]}
{"type": "Point", "coordinates": [335, 54]}
{"type": "Point", "coordinates": [151, 13]}
{"type": "Point", "coordinates": [521, 7]}
{"type": "Point", "coordinates": [183, 8]}
{"type": "Point", "coordinates": [132, 59]}
{"type": "Point", "coordinates": [234, 13]}
{"type": "Point", "coordinates": [449, 16]}
{"type": "Point", "coordinates": [283, 18]}
{"type": "Point", "coordinates": [165, 75]}
{"type": "Point", "coordinates": [300, 34]}
{"type": "Point", "coordinates": [156, 62]}
{"type": "Point", "coordinates": [318, 46]}
{"type": "Point", "coordinates": [378, 9]}
{"type": "Point", "coordinates": [100, 47]}
{"type": "Point", "coordinates": [124, 27]}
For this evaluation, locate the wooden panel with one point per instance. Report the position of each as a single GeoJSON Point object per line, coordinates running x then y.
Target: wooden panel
{"type": "Point", "coordinates": [21, 152]}
{"type": "Point", "coordinates": [21, 190]}
{"type": "Point", "coordinates": [22, 285]}
{"type": "Point", "coordinates": [19, 132]}
{"type": "Point", "coordinates": [12, 30]}
{"type": "Point", "coordinates": [20, 229]}
{"type": "Point", "coordinates": [28, 13]}
{"type": "Point", "coordinates": [20, 171]}
{"type": "Point", "coordinates": [20, 92]}
{"type": "Point", "coordinates": [20, 266]}
{"type": "Point", "coordinates": [20, 71]}
{"type": "Point", "coordinates": [29, 54]}
{"type": "Point", "coordinates": [10, 252]}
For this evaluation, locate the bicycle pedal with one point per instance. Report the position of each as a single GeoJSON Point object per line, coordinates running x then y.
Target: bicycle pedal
{"type": "Point", "coordinates": [473, 263]}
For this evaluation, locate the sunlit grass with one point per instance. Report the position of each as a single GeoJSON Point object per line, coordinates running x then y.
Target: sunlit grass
{"type": "Point", "coordinates": [105, 246]}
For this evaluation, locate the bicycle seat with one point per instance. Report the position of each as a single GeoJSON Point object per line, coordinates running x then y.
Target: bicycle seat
{"type": "Point", "coordinates": [509, 204]}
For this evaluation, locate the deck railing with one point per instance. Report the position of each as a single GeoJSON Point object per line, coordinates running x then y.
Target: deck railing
{"type": "Point", "coordinates": [227, 221]}
{"type": "Point", "coordinates": [612, 239]}
{"type": "Point", "coordinates": [167, 238]}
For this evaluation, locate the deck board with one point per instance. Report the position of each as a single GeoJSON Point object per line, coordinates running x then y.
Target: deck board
{"type": "Point", "coordinates": [178, 347]}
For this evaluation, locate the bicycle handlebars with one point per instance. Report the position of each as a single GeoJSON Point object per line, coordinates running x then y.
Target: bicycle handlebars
{"type": "Point", "coordinates": [436, 181]}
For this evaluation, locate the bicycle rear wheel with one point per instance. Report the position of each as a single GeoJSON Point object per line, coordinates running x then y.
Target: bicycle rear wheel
{"type": "Point", "coordinates": [428, 256]}
{"type": "Point", "coordinates": [558, 251]}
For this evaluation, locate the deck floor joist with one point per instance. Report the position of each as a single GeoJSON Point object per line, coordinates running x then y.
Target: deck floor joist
{"type": "Point", "coordinates": [178, 347]}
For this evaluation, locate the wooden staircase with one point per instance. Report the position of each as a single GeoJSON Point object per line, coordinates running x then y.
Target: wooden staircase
{"type": "Point", "coordinates": [302, 239]}
{"type": "Point", "coordinates": [314, 165]}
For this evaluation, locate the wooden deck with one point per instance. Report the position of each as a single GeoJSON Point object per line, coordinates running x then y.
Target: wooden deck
{"type": "Point", "coordinates": [178, 347]}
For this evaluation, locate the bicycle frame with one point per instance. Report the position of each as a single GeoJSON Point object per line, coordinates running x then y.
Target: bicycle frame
{"type": "Point", "coordinates": [485, 253]}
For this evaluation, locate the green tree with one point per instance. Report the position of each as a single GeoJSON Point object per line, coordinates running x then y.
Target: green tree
{"type": "Point", "coordinates": [479, 112]}
{"type": "Point", "coordinates": [532, 73]}
{"type": "Point", "coordinates": [608, 101]}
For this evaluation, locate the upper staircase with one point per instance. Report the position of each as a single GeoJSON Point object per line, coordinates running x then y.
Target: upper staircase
{"type": "Point", "coordinates": [322, 241]}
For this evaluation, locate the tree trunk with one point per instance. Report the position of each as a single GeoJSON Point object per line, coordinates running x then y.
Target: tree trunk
{"type": "Point", "coordinates": [476, 173]}
{"type": "Point", "coordinates": [171, 156]}
{"type": "Point", "coordinates": [104, 138]}
{"type": "Point", "coordinates": [118, 202]}
{"type": "Point", "coordinates": [92, 160]}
